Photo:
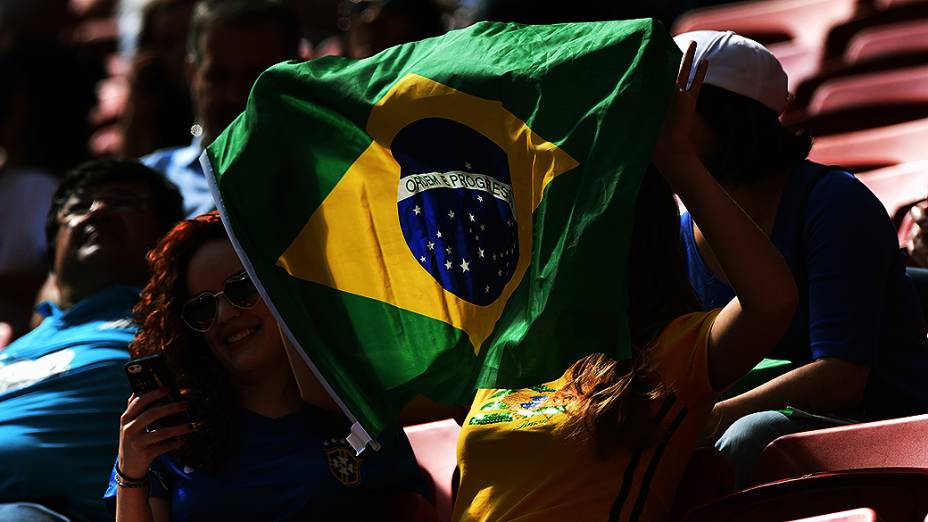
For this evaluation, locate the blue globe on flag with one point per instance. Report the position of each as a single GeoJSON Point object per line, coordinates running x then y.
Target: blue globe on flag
{"type": "Point", "coordinates": [456, 207]}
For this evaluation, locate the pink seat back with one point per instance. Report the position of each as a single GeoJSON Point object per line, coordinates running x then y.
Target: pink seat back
{"type": "Point", "coordinates": [899, 186]}
{"type": "Point", "coordinates": [891, 443]}
{"type": "Point", "coordinates": [874, 148]}
{"type": "Point", "coordinates": [806, 21]}
{"type": "Point", "coordinates": [908, 85]}
{"type": "Point", "coordinates": [851, 515]}
{"type": "Point", "coordinates": [886, 40]}
{"type": "Point", "coordinates": [435, 446]}
{"type": "Point", "coordinates": [898, 494]}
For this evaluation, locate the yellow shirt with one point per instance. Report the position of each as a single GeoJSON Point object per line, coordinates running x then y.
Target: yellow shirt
{"type": "Point", "coordinates": [517, 463]}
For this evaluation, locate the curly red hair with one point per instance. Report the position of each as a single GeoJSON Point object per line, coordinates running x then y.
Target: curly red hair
{"type": "Point", "coordinates": [204, 382]}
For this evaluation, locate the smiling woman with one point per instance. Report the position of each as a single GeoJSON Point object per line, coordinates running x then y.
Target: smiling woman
{"type": "Point", "coordinates": [257, 451]}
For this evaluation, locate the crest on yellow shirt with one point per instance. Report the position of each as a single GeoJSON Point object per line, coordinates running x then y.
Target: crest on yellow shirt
{"type": "Point", "coordinates": [344, 465]}
{"type": "Point", "coordinates": [530, 406]}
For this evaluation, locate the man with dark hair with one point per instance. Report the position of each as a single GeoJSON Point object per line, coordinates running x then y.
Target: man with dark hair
{"type": "Point", "coordinates": [230, 42]}
{"type": "Point", "coordinates": [62, 386]}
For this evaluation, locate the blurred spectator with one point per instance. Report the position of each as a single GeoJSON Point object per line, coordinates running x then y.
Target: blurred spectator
{"type": "Point", "coordinates": [858, 339]}
{"type": "Point", "coordinates": [230, 42]}
{"type": "Point", "coordinates": [43, 131]}
{"type": "Point", "coordinates": [62, 386]}
{"type": "Point", "coordinates": [913, 235]}
{"type": "Point", "coordinates": [371, 26]}
{"type": "Point", "coordinates": [158, 110]}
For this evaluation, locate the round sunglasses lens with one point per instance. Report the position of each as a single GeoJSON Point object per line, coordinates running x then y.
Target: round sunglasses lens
{"type": "Point", "coordinates": [199, 312]}
{"type": "Point", "coordinates": [241, 292]}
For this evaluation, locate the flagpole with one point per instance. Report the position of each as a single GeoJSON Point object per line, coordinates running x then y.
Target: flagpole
{"type": "Point", "coordinates": [358, 437]}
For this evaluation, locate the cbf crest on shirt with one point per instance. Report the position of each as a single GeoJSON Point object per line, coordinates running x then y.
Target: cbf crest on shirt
{"type": "Point", "coordinates": [451, 213]}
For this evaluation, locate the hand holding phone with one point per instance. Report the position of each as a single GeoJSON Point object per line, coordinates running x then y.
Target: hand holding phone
{"type": "Point", "coordinates": [151, 373]}
{"type": "Point", "coordinates": [156, 418]}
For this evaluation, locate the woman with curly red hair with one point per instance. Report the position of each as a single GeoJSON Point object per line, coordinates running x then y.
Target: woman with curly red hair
{"type": "Point", "coordinates": [258, 451]}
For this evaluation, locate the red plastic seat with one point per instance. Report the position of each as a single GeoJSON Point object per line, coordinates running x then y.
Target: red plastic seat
{"type": "Point", "coordinates": [898, 494]}
{"type": "Point", "coordinates": [803, 22]}
{"type": "Point", "coordinates": [899, 186]}
{"type": "Point", "coordinates": [435, 446]}
{"type": "Point", "coordinates": [874, 148]}
{"type": "Point", "coordinates": [907, 85]}
{"type": "Point", "coordinates": [884, 40]}
{"type": "Point", "coordinates": [794, 30]}
{"type": "Point", "coordinates": [851, 515]}
{"type": "Point", "coordinates": [891, 443]}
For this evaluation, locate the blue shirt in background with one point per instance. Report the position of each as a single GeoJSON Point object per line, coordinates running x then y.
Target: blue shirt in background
{"type": "Point", "coordinates": [62, 390]}
{"type": "Point", "coordinates": [181, 165]}
{"type": "Point", "coordinates": [857, 302]}
{"type": "Point", "coordinates": [297, 467]}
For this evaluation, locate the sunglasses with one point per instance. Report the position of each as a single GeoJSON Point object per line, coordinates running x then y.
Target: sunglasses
{"type": "Point", "coordinates": [200, 312]}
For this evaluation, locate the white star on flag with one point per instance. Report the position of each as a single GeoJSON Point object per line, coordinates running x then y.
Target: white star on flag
{"type": "Point", "coordinates": [480, 252]}
{"type": "Point", "coordinates": [448, 250]}
{"type": "Point", "coordinates": [471, 216]}
{"type": "Point", "coordinates": [438, 234]}
{"type": "Point", "coordinates": [479, 198]}
{"type": "Point", "coordinates": [417, 210]}
{"type": "Point", "coordinates": [467, 165]}
{"type": "Point", "coordinates": [483, 227]}
{"type": "Point", "coordinates": [465, 266]}
{"type": "Point", "coordinates": [451, 214]}
{"type": "Point", "coordinates": [422, 258]}
{"type": "Point", "coordinates": [448, 265]}
{"type": "Point", "coordinates": [487, 289]}
{"type": "Point", "coordinates": [431, 246]}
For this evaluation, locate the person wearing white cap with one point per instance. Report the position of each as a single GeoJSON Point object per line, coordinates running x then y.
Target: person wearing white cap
{"type": "Point", "coordinates": [858, 340]}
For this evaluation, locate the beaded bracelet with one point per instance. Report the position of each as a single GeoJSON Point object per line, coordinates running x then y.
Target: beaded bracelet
{"type": "Point", "coordinates": [124, 481]}
{"type": "Point", "coordinates": [124, 484]}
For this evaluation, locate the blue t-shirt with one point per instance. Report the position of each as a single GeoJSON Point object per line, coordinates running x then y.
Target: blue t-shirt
{"type": "Point", "coordinates": [297, 467]}
{"type": "Point", "coordinates": [857, 302]}
{"type": "Point", "coordinates": [181, 166]}
{"type": "Point", "coordinates": [62, 390]}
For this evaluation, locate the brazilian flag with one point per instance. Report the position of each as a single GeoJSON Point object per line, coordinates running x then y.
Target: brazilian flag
{"type": "Point", "coordinates": [449, 214]}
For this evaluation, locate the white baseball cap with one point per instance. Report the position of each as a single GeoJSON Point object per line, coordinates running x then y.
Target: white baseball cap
{"type": "Point", "coordinates": [739, 65]}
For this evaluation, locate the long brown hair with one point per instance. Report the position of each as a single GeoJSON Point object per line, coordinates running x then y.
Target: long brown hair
{"type": "Point", "coordinates": [161, 330]}
{"type": "Point", "coordinates": [614, 397]}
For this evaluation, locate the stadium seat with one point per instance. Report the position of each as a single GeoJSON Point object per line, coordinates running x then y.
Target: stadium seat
{"type": "Point", "coordinates": [899, 186]}
{"type": "Point", "coordinates": [851, 515]}
{"type": "Point", "coordinates": [883, 444]}
{"type": "Point", "coordinates": [907, 85]}
{"type": "Point", "coordinates": [884, 40]}
{"type": "Point", "coordinates": [871, 149]}
{"type": "Point", "coordinates": [794, 30]}
{"type": "Point", "coordinates": [897, 494]}
{"type": "Point", "coordinates": [803, 22]}
{"type": "Point", "coordinates": [852, 103]}
{"type": "Point", "coordinates": [842, 34]}
{"type": "Point", "coordinates": [435, 446]}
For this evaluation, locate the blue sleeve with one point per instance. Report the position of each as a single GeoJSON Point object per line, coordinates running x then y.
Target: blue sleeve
{"type": "Point", "coordinates": [156, 486]}
{"type": "Point", "coordinates": [850, 244]}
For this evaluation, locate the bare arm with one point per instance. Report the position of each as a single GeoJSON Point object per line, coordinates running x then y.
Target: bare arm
{"type": "Point", "coordinates": [752, 323]}
{"type": "Point", "coordinates": [138, 448]}
{"type": "Point", "coordinates": [822, 386]}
